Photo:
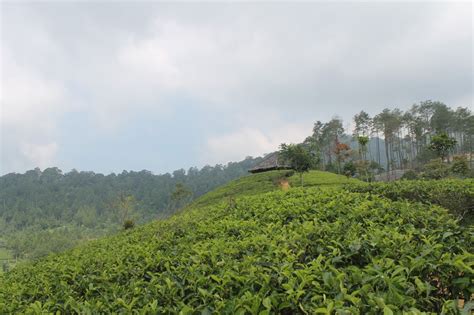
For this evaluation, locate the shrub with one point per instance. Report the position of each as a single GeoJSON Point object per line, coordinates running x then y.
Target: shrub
{"type": "Point", "coordinates": [410, 175]}
{"type": "Point", "coordinates": [5, 266]}
{"type": "Point", "coordinates": [460, 166]}
{"type": "Point", "coordinates": [456, 195]}
{"type": "Point", "coordinates": [128, 224]}
{"type": "Point", "coordinates": [349, 169]}
{"type": "Point", "coordinates": [435, 169]}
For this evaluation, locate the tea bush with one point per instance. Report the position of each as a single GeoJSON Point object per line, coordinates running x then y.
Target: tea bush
{"type": "Point", "coordinates": [460, 166]}
{"type": "Point", "coordinates": [304, 251]}
{"type": "Point", "coordinates": [453, 194]}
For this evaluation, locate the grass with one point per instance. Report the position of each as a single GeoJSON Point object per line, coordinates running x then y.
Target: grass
{"type": "Point", "coordinates": [254, 184]}
{"type": "Point", "coordinates": [5, 254]}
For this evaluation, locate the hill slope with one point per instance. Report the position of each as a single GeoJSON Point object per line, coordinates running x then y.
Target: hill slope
{"type": "Point", "coordinates": [47, 211]}
{"type": "Point", "coordinates": [269, 181]}
{"type": "Point", "coordinates": [305, 250]}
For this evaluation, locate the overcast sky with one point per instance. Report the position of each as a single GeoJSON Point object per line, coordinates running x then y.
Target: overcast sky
{"type": "Point", "coordinates": [111, 86]}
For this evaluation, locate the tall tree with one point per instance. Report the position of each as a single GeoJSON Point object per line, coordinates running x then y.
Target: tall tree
{"type": "Point", "coordinates": [342, 152]}
{"type": "Point", "coordinates": [298, 157]}
{"type": "Point", "coordinates": [442, 144]}
{"type": "Point", "coordinates": [384, 122]}
{"type": "Point", "coordinates": [363, 124]}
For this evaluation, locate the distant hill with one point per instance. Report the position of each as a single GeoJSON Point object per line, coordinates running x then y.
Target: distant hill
{"type": "Point", "coordinates": [48, 211]}
{"type": "Point", "coordinates": [257, 246]}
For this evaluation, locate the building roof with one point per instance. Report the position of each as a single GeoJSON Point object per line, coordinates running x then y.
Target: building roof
{"type": "Point", "coordinates": [270, 162]}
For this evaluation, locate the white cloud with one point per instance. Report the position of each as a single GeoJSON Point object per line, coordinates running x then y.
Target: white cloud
{"type": "Point", "coordinates": [27, 98]}
{"type": "Point", "coordinates": [41, 155]}
{"type": "Point", "coordinates": [267, 67]}
{"type": "Point", "coordinates": [250, 141]}
{"type": "Point", "coordinates": [30, 107]}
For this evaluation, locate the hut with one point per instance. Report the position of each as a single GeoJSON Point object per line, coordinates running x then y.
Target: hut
{"type": "Point", "coordinates": [269, 163]}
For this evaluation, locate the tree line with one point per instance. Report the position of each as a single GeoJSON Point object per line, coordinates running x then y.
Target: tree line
{"type": "Point", "coordinates": [64, 208]}
{"type": "Point", "coordinates": [393, 138]}
{"type": "Point", "coordinates": [390, 140]}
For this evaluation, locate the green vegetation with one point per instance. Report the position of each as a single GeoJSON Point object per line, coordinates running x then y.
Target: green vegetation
{"type": "Point", "coordinates": [47, 211]}
{"type": "Point", "coordinates": [298, 157]}
{"type": "Point", "coordinates": [5, 260]}
{"type": "Point", "coordinates": [396, 140]}
{"type": "Point", "coordinates": [239, 250]}
{"type": "Point", "coordinates": [43, 212]}
{"type": "Point", "coordinates": [269, 181]}
{"type": "Point", "coordinates": [442, 144]}
{"type": "Point", "coordinates": [4, 254]}
{"type": "Point", "coordinates": [453, 194]}
{"type": "Point", "coordinates": [262, 243]}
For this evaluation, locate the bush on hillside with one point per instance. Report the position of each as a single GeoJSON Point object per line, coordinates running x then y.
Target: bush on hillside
{"type": "Point", "coordinates": [460, 166]}
{"type": "Point", "coordinates": [435, 169]}
{"type": "Point", "coordinates": [453, 194]}
{"type": "Point", "coordinates": [410, 175]}
{"type": "Point", "coordinates": [128, 224]}
{"type": "Point", "coordinates": [349, 169]}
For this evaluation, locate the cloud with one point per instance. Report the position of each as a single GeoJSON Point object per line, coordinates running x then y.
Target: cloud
{"type": "Point", "coordinates": [250, 141]}
{"type": "Point", "coordinates": [254, 66]}
{"type": "Point", "coordinates": [41, 155]}
{"type": "Point", "coordinates": [30, 107]}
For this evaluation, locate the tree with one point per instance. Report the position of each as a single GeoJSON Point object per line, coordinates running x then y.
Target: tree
{"type": "Point", "coordinates": [363, 141]}
{"type": "Point", "coordinates": [387, 122]}
{"type": "Point", "coordinates": [442, 118]}
{"type": "Point", "coordinates": [314, 150]}
{"type": "Point", "coordinates": [442, 144]}
{"type": "Point", "coordinates": [363, 124]}
{"type": "Point", "coordinates": [124, 208]}
{"type": "Point", "coordinates": [298, 157]}
{"type": "Point", "coordinates": [342, 152]}
{"type": "Point", "coordinates": [180, 196]}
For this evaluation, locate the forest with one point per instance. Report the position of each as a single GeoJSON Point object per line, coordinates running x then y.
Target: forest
{"type": "Point", "coordinates": [49, 211]}
{"type": "Point", "coordinates": [396, 140]}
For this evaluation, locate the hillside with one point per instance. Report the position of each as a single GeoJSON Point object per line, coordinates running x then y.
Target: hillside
{"type": "Point", "coordinates": [269, 181]}
{"type": "Point", "coordinates": [250, 248]}
{"type": "Point", "coordinates": [47, 211]}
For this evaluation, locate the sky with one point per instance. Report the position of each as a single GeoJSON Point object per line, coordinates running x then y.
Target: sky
{"type": "Point", "coordinates": [112, 86]}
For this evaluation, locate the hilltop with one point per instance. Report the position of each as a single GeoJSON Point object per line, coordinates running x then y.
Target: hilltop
{"type": "Point", "coordinates": [250, 247]}
{"type": "Point", "coordinates": [270, 181]}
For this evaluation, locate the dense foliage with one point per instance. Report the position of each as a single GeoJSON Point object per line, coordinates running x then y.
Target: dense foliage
{"type": "Point", "coordinates": [453, 194]}
{"type": "Point", "coordinates": [313, 250]}
{"type": "Point", "coordinates": [47, 211]}
{"type": "Point", "coordinates": [395, 139]}
{"type": "Point", "coordinates": [298, 157]}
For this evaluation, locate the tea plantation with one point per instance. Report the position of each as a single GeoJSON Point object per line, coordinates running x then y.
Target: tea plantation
{"type": "Point", "coordinates": [249, 248]}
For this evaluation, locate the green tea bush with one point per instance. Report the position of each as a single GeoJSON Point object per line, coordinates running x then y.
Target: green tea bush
{"type": "Point", "coordinates": [453, 194]}
{"type": "Point", "coordinates": [410, 175]}
{"type": "Point", "coordinates": [460, 166]}
{"type": "Point", "coordinates": [435, 169]}
{"type": "Point", "coordinates": [305, 251]}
